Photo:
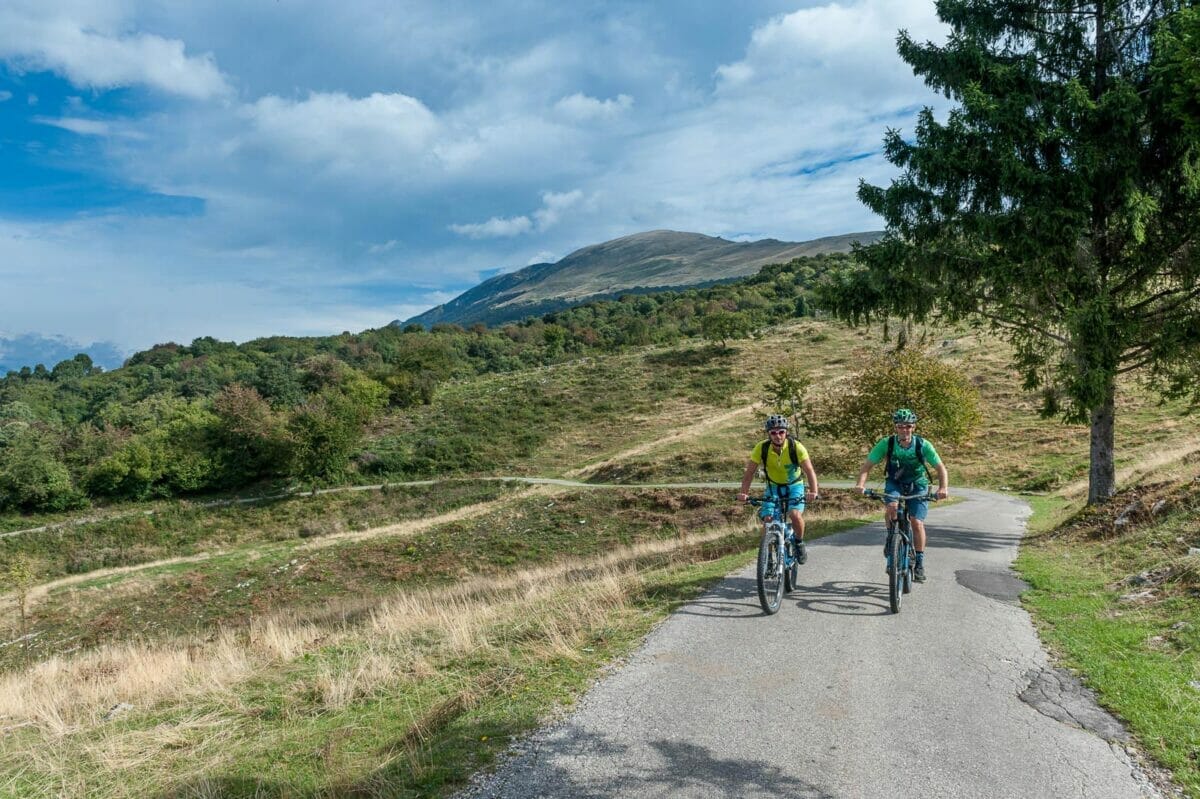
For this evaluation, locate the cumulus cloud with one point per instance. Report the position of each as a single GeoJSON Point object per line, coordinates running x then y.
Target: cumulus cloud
{"type": "Point", "coordinates": [842, 52]}
{"type": "Point", "coordinates": [581, 108]}
{"type": "Point", "coordinates": [345, 133]}
{"type": "Point", "coordinates": [94, 52]}
{"type": "Point", "coordinates": [554, 205]}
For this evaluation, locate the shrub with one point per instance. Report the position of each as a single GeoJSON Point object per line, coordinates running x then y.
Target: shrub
{"type": "Point", "coordinates": [859, 411]}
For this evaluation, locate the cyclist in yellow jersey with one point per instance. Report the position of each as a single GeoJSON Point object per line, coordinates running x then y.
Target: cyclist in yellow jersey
{"type": "Point", "coordinates": [783, 461]}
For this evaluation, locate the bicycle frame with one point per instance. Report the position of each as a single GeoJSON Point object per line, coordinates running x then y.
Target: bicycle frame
{"type": "Point", "coordinates": [777, 564]}
{"type": "Point", "coordinates": [900, 553]}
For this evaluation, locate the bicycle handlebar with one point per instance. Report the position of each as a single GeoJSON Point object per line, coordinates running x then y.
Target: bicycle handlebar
{"type": "Point", "coordinates": [930, 495]}
{"type": "Point", "coordinates": [765, 499]}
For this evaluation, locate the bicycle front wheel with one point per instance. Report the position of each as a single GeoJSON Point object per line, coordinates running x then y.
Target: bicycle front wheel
{"type": "Point", "coordinates": [896, 571]}
{"type": "Point", "coordinates": [770, 572]}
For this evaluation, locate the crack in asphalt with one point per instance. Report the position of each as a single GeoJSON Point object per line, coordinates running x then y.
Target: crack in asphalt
{"type": "Point", "coordinates": [1061, 696]}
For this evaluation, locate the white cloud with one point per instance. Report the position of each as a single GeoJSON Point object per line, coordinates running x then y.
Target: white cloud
{"type": "Point", "coordinates": [553, 206]}
{"type": "Point", "coordinates": [89, 127]}
{"type": "Point", "coordinates": [842, 53]}
{"type": "Point", "coordinates": [581, 108]}
{"type": "Point", "coordinates": [495, 227]}
{"type": "Point", "coordinates": [94, 52]}
{"type": "Point", "coordinates": [380, 132]}
{"type": "Point", "coordinates": [384, 247]}
{"type": "Point", "coordinates": [5, 96]}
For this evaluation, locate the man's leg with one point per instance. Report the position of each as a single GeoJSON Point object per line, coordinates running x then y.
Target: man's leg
{"type": "Point", "coordinates": [918, 530]}
{"type": "Point", "coordinates": [798, 528]}
{"type": "Point", "coordinates": [917, 511]}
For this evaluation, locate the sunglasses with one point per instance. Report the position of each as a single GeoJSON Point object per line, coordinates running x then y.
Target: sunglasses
{"type": "Point", "coordinates": [779, 432]}
{"type": "Point", "coordinates": [906, 425]}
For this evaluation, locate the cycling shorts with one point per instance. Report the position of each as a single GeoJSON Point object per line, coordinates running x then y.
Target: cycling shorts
{"type": "Point", "coordinates": [794, 493]}
{"type": "Point", "coordinates": [917, 508]}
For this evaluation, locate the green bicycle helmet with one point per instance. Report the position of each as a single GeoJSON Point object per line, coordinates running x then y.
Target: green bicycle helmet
{"type": "Point", "coordinates": [904, 416]}
{"type": "Point", "coordinates": [776, 422]}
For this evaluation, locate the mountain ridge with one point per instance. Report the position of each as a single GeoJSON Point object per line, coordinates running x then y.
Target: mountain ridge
{"type": "Point", "coordinates": [654, 260]}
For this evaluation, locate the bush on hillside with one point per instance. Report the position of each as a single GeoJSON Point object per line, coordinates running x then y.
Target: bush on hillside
{"type": "Point", "coordinates": [858, 412]}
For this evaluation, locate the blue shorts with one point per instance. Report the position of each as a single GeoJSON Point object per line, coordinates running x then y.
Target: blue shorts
{"type": "Point", "coordinates": [794, 493]}
{"type": "Point", "coordinates": [917, 508]}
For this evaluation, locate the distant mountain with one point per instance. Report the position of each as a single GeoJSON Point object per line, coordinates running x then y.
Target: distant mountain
{"type": "Point", "coordinates": [30, 349]}
{"type": "Point", "coordinates": [642, 262]}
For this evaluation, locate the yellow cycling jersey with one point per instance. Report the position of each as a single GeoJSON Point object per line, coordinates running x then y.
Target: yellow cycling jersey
{"type": "Point", "coordinates": [779, 464]}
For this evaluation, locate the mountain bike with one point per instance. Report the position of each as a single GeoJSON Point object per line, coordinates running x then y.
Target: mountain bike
{"type": "Point", "coordinates": [898, 548]}
{"type": "Point", "coordinates": [777, 564]}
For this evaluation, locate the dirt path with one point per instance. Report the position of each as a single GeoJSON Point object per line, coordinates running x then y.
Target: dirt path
{"type": "Point", "coordinates": [405, 528]}
{"type": "Point", "coordinates": [690, 431]}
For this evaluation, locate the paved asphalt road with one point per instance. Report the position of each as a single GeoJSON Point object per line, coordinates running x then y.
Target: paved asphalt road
{"type": "Point", "coordinates": [835, 696]}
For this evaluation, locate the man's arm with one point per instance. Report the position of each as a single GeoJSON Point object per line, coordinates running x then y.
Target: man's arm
{"type": "Point", "coordinates": [811, 475]}
{"type": "Point", "coordinates": [943, 481]}
{"type": "Point", "coordinates": [747, 479]}
{"type": "Point", "coordinates": [863, 471]}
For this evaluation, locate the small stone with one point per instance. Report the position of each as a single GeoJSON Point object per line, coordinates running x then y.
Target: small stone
{"type": "Point", "coordinates": [1180, 625]}
{"type": "Point", "coordinates": [117, 710]}
{"type": "Point", "coordinates": [1138, 579]}
{"type": "Point", "coordinates": [1195, 684]}
{"type": "Point", "coordinates": [1137, 596]}
{"type": "Point", "coordinates": [1158, 507]}
{"type": "Point", "coordinates": [1193, 552]}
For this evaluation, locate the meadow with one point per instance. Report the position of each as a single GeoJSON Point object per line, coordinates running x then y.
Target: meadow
{"type": "Point", "coordinates": [391, 641]}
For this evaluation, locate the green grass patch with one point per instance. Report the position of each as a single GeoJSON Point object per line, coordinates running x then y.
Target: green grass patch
{"type": "Point", "coordinates": [1120, 604]}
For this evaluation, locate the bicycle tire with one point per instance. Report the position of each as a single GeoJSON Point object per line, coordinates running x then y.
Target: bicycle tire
{"type": "Point", "coordinates": [895, 578]}
{"type": "Point", "coordinates": [792, 573]}
{"type": "Point", "coordinates": [770, 573]}
{"type": "Point", "coordinates": [910, 558]}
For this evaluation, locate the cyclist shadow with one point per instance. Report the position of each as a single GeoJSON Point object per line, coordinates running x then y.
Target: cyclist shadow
{"type": "Point", "coordinates": [733, 597]}
{"type": "Point", "coordinates": [842, 598]}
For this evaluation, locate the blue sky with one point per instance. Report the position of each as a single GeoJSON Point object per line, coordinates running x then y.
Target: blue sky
{"type": "Point", "coordinates": [236, 169]}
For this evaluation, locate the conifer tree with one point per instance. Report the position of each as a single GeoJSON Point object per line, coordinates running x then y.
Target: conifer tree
{"type": "Point", "coordinates": [1058, 201]}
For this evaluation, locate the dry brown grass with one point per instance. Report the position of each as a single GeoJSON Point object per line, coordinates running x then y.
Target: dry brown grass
{"type": "Point", "coordinates": [65, 695]}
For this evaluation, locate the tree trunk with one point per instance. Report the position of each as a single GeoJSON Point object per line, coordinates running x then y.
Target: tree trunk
{"type": "Point", "coordinates": [1102, 475]}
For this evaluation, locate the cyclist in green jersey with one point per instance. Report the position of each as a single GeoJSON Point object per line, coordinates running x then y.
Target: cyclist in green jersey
{"type": "Point", "coordinates": [783, 461]}
{"type": "Point", "coordinates": [907, 474]}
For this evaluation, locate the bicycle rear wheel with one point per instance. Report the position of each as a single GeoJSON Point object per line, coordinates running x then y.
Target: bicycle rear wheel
{"type": "Point", "coordinates": [895, 573]}
{"type": "Point", "coordinates": [770, 572]}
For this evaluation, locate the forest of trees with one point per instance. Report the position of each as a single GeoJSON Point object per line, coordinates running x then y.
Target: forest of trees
{"type": "Point", "coordinates": [180, 420]}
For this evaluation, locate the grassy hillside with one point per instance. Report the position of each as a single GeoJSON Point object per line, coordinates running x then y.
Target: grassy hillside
{"type": "Point", "coordinates": [390, 641]}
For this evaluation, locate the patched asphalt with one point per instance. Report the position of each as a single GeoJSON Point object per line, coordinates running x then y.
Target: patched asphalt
{"type": "Point", "coordinates": [835, 696]}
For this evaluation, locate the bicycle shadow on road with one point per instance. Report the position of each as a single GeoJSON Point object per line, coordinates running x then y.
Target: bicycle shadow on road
{"type": "Point", "coordinates": [737, 597]}
{"type": "Point", "coordinates": [841, 598]}
{"type": "Point", "coordinates": [661, 768]}
{"type": "Point", "coordinates": [733, 597]}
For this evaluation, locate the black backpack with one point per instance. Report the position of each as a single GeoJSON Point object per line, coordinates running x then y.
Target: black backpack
{"type": "Point", "coordinates": [920, 451]}
{"type": "Point", "coordinates": [791, 451]}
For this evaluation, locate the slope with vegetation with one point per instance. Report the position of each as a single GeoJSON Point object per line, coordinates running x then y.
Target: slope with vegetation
{"type": "Point", "coordinates": [214, 416]}
{"type": "Point", "coordinates": [642, 263]}
{"type": "Point", "coordinates": [389, 642]}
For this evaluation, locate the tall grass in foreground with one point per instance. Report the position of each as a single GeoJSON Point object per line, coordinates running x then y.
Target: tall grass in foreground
{"type": "Point", "coordinates": [402, 696]}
